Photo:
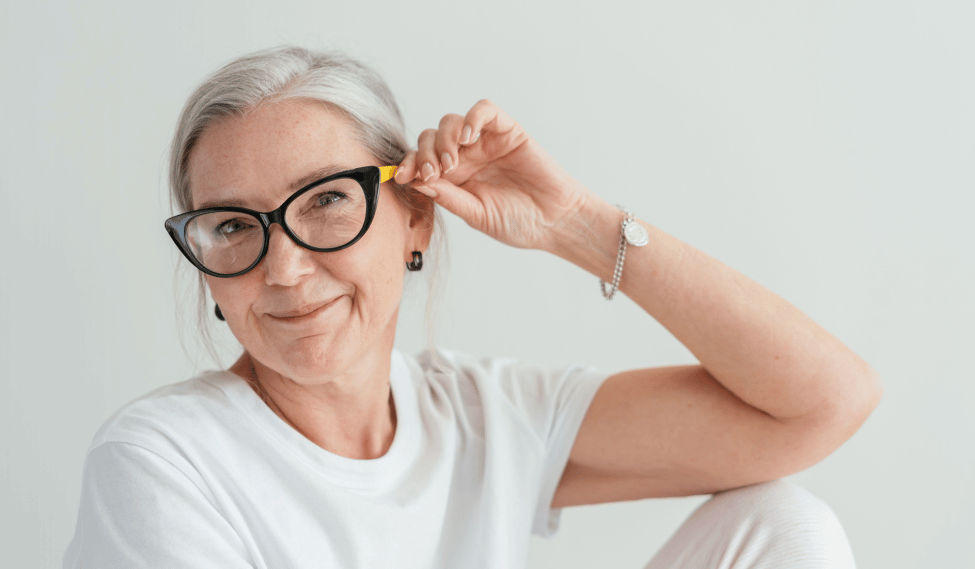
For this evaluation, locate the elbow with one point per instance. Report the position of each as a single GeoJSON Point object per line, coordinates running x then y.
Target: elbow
{"type": "Point", "coordinates": [844, 401]}
{"type": "Point", "coordinates": [819, 434]}
{"type": "Point", "coordinates": [858, 395]}
{"type": "Point", "coordinates": [871, 390]}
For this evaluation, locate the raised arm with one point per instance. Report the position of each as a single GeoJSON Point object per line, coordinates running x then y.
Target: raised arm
{"type": "Point", "coordinates": [774, 393]}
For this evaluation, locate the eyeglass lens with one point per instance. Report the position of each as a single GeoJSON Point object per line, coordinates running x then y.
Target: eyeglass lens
{"type": "Point", "coordinates": [326, 216]}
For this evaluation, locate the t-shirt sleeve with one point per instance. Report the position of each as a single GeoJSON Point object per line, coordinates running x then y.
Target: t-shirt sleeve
{"type": "Point", "coordinates": [138, 510]}
{"type": "Point", "coordinates": [572, 390]}
{"type": "Point", "coordinates": [552, 403]}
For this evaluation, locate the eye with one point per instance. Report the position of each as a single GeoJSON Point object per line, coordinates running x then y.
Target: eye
{"type": "Point", "coordinates": [328, 198]}
{"type": "Point", "coordinates": [234, 225]}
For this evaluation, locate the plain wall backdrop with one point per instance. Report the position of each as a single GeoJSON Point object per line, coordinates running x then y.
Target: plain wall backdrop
{"type": "Point", "coordinates": [825, 149]}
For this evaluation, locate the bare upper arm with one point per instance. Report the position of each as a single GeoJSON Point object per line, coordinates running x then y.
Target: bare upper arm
{"type": "Point", "coordinates": [676, 431]}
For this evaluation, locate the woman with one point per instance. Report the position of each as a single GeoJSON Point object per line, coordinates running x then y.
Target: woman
{"type": "Point", "coordinates": [322, 446]}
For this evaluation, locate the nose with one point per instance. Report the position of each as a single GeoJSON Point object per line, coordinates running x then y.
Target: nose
{"type": "Point", "coordinates": [286, 262]}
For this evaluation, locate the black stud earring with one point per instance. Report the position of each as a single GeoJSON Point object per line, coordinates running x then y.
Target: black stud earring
{"type": "Point", "coordinates": [417, 263]}
{"type": "Point", "coordinates": [216, 310]}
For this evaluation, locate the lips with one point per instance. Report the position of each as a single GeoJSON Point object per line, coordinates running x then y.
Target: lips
{"type": "Point", "coordinates": [302, 312]}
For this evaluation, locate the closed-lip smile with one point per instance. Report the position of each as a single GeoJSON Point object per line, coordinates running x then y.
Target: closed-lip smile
{"type": "Point", "coordinates": [298, 313]}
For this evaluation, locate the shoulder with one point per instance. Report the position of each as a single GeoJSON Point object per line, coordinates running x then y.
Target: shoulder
{"type": "Point", "coordinates": [454, 371]}
{"type": "Point", "coordinates": [193, 406]}
{"type": "Point", "coordinates": [459, 364]}
{"type": "Point", "coordinates": [505, 381]}
{"type": "Point", "coordinates": [445, 363]}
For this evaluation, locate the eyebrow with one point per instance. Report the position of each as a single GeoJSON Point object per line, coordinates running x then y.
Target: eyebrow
{"type": "Point", "coordinates": [294, 186]}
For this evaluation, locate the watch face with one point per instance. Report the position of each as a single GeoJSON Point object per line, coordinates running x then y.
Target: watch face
{"type": "Point", "coordinates": [636, 234]}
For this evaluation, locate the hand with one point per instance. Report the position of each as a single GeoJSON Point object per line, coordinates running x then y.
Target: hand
{"type": "Point", "coordinates": [484, 168]}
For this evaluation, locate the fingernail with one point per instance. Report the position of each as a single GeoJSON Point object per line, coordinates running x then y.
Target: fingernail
{"type": "Point", "coordinates": [476, 137]}
{"type": "Point", "coordinates": [465, 135]}
{"type": "Point", "coordinates": [447, 162]}
{"type": "Point", "coordinates": [426, 191]}
{"type": "Point", "coordinates": [427, 171]}
{"type": "Point", "coordinates": [400, 177]}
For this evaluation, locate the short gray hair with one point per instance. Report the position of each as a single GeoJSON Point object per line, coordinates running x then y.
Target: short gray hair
{"type": "Point", "coordinates": [288, 73]}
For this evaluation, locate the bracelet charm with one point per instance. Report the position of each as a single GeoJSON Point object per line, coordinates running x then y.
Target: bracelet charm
{"type": "Point", "coordinates": [630, 232]}
{"type": "Point", "coordinates": [635, 233]}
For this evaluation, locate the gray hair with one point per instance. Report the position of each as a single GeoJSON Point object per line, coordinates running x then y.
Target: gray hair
{"type": "Point", "coordinates": [290, 73]}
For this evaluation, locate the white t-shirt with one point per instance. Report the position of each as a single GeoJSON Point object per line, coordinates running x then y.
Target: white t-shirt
{"type": "Point", "coordinates": [203, 474]}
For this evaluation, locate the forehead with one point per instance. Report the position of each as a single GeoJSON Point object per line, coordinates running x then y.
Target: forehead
{"type": "Point", "coordinates": [257, 158]}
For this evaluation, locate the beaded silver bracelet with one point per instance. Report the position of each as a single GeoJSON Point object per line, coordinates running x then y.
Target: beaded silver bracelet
{"type": "Point", "coordinates": [630, 232]}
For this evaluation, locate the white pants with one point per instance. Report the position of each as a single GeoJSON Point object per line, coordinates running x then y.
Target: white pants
{"type": "Point", "coordinates": [772, 525]}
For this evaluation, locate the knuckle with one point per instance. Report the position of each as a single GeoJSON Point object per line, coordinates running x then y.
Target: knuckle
{"type": "Point", "coordinates": [449, 119]}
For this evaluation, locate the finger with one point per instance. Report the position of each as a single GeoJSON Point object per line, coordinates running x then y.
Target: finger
{"type": "Point", "coordinates": [426, 156]}
{"type": "Point", "coordinates": [485, 116]}
{"type": "Point", "coordinates": [456, 200]}
{"type": "Point", "coordinates": [447, 138]}
{"type": "Point", "coordinates": [406, 171]}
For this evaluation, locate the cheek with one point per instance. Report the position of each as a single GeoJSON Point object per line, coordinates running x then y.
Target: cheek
{"type": "Point", "coordinates": [385, 242]}
{"type": "Point", "coordinates": [383, 278]}
{"type": "Point", "coordinates": [381, 288]}
{"type": "Point", "coordinates": [233, 296]}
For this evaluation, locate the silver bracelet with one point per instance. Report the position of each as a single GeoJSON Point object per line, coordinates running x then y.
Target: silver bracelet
{"type": "Point", "coordinates": [630, 232]}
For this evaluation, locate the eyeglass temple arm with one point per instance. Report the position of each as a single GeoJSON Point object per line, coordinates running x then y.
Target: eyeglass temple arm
{"type": "Point", "coordinates": [386, 173]}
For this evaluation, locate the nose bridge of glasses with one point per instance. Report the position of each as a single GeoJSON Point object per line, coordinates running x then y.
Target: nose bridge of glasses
{"type": "Point", "coordinates": [278, 217]}
{"type": "Point", "coordinates": [284, 254]}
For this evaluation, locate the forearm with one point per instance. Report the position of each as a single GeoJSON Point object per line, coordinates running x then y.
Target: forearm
{"type": "Point", "coordinates": [761, 348]}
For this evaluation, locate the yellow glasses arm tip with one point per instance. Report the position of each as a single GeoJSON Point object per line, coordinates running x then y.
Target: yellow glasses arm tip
{"type": "Point", "coordinates": [386, 173]}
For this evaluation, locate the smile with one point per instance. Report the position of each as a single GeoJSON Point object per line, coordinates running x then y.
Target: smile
{"type": "Point", "coordinates": [303, 314]}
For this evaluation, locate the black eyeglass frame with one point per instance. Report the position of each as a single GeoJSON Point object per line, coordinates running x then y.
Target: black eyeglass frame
{"type": "Point", "coordinates": [368, 177]}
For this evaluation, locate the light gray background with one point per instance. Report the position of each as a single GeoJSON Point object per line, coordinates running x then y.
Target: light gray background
{"type": "Point", "coordinates": [824, 149]}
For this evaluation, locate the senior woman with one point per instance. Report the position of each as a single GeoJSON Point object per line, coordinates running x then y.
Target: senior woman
{"type": "Point", "coordinates": [322, 446]}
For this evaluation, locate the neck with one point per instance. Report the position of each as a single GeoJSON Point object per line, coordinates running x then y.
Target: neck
{"type": "Point", "coordinates": [354, 417]}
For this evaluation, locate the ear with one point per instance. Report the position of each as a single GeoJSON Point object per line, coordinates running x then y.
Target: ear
{"type": "Point", "coordinates": [422, 221]}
